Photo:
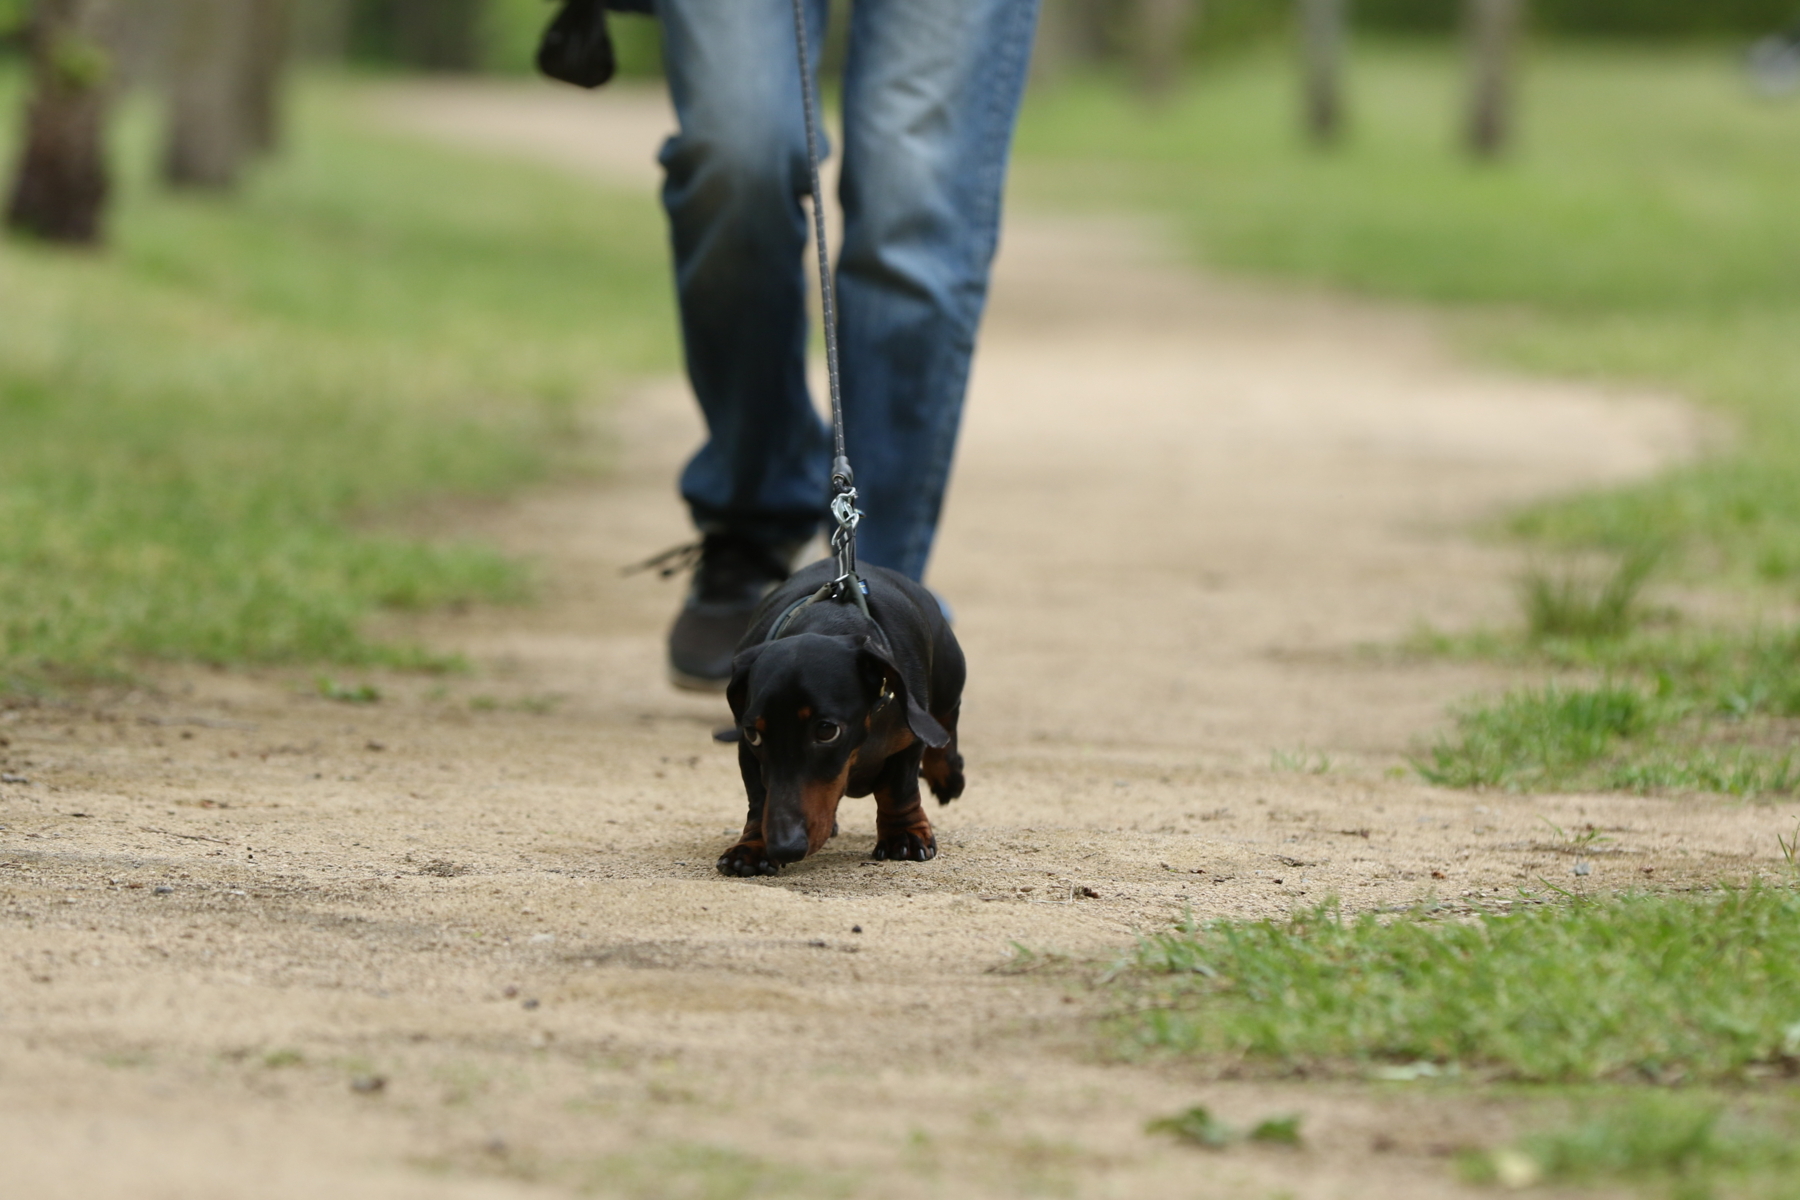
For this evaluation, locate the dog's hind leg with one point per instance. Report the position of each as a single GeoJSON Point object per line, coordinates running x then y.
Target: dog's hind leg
{"type": "Point", "coordinates": [751, 854]}
{"type": "Point", "coordinates": [902, 830]}
{"type": "Point", "coordinates": [942, 766]}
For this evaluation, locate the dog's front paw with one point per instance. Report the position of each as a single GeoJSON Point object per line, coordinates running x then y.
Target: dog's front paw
{"type": "Point", "coordinates": [907, 845]}
{"type": "Point", "coordinates": [748, 858]}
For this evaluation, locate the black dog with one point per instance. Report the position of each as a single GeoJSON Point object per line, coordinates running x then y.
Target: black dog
{"type": "Point", "coordinates": [830, 702]}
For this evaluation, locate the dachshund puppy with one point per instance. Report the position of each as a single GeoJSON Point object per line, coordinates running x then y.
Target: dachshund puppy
{"type": "Point", "coordinates": [829, 702]}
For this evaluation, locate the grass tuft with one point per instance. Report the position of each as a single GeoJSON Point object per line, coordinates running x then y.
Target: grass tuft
{"type": "Point", "coordinates": [1536, 738]}
{"type": "Point", "coordinates": [353, 693]}
{"type": "Point", "coordinates": [1571, 605]}
{"type": "Point", "coordinates": [1199, 1127]}
{"type": "Point", "coordinates": [1692, 1145]}
{"type": "Point", "coordinates": [1300, 761]}
{"type": "Point", "coordinates": [1681, 712]}
{"type": "Point", "coordinates": [1196, 1126]}
{"type": "Point", "coordinates": [1635, 987]}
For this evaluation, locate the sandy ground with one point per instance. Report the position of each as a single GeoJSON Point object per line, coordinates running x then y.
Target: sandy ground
{"type": "Point", "coordinates": [468, 940]}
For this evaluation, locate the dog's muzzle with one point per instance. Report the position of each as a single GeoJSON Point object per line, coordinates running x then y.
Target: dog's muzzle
{"type": "Point", "coordinates": [789, 848]}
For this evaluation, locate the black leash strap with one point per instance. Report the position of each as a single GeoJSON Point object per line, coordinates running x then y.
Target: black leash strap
{"type": "Point", "coordinates": [843, 481]}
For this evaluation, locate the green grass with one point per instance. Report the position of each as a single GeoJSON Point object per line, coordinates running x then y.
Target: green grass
{"type": "Point", "coordinates": [1199, 1127]}
{"type": "Point", "coordinates": [1646, 1038]}
{"type": "Point", "coordinates": [1537, 737]}
{"type": "Point", "coordinates": [1675, 711]}
{"type": "Point", "coordinates": [1687, 1145]}
{"type": "Point", "coordinates": [1570, 604]}
{"type": "Point", "coordinates": [210, 427]}
{"type": "Point", "coordinates": [1630, 988]}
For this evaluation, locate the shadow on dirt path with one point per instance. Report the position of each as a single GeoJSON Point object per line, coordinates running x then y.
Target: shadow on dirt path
{"type": "Point", "coordinates": [468, 940]}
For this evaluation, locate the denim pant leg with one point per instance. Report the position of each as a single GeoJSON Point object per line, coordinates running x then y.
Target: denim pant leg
{"type": "Point", "coordinates": [735, 173]}
{"type": "Point", "coordinates": [931, 95]}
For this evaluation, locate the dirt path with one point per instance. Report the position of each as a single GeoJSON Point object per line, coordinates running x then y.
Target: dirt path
{"type": "Point", "coordinates": [468, 940]}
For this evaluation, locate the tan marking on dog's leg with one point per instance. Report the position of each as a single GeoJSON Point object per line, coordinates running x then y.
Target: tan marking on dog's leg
{"type": "Point", "coordinates": [902, 830]}
{"type": "Point", "coordinates": [750, 856]}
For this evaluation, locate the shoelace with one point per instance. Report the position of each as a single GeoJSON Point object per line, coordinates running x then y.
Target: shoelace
{"type": "Point", "coordinates": [670, 562]}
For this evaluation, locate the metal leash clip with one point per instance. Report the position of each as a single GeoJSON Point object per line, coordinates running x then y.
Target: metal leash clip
{"type": "Point", "coordinates": [848, 585]}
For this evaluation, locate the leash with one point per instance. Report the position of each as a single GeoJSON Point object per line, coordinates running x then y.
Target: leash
{"type": "Point", "coordinates": [843, 480]}
{"type": "Point", "coordinates": [846, 584]}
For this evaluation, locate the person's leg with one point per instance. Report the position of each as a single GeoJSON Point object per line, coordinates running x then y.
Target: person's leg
{"type": "Point", "coordinates": [735, 173]}
{"type": "Point", "coordinates": [931, 92]}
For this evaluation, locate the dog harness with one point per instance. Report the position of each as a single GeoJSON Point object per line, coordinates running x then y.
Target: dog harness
{"type": "Point", "coordinates": [860, 591]}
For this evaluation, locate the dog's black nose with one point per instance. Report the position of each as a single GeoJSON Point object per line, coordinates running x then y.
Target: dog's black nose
{"type": "Point", "coordinates": [788, 850]}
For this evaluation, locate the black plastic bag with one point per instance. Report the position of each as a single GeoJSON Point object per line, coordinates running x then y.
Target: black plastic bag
{"type": "Point", "coordinates": [576, 47]}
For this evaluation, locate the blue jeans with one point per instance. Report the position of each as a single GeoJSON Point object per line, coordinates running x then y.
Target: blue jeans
{"type": "Point", "coordinates": [931, 92]}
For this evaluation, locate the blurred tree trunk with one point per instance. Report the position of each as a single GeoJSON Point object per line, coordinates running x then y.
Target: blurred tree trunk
{"type": "Point", "coordinates": [1053, 51]}
{"type": "Point", "coordinates": [265, 72]}
{"type": "Point", "coordinates": [137, 34]}
{"type": "Point", "coordinates": [1072, 33]}
{"type": "Point", "coordinates": [1159, 42]}
{"type": "Point", "coordinates": [59, 191]}
{"type": "Point", "coordinates": [209, 128]}
{"type": "Point", "coordinates": [1493, 42]}
{"type": "Point", "coordinates": [1322, 62]}
{"type": "Point", "coordinates": [1090, 28]}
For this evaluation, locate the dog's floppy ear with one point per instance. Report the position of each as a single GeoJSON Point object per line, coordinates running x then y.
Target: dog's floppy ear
{"type": "Point", "coordinates": [739, 688]}
{"type": "Point", "coordinates": [924, 726]}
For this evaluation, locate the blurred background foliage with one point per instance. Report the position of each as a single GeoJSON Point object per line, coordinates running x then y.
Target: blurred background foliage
{"type": "Point", "coordinates": [500, 35]}
{"type": "Point", "coordinates": [284, 341]}
{"type": "Point", "coordinates": [1618, 18]}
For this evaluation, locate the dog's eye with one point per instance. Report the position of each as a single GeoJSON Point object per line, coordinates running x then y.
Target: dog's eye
{"type": "Point", "coordinates": [827, 731]}
{"type": "Point", "coordinates": [752, 736]}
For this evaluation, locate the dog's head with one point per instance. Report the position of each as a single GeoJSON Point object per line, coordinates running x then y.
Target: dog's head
{"type": "Point", "coordinates": [806, 707]}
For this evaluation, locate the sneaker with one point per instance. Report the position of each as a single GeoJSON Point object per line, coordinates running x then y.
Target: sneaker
{"type": "Point", "coordinates": [732, 575]}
